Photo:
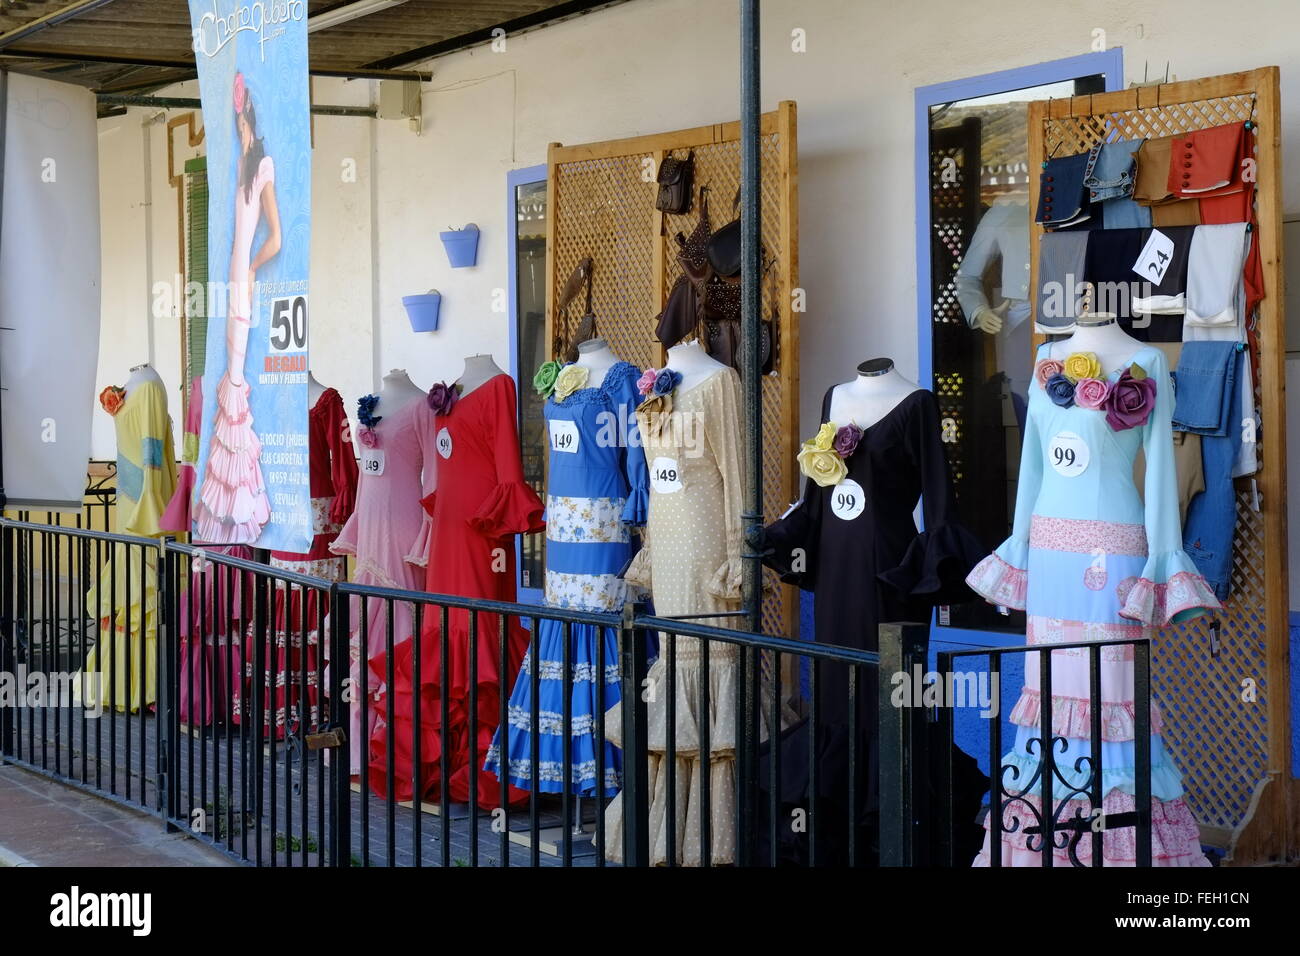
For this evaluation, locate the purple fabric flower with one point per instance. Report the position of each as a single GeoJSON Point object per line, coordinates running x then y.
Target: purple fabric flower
{"type": "Point", "coordinates": [846, 440]}
{"type": "Point", "coordinates": [1130, 401]}
{"type": "Point", "coordinates": [1060, 390]}
{"type": "Point", "coordinates": [442, 398]}
{"type": "Point", "coordinates": [666, 381]}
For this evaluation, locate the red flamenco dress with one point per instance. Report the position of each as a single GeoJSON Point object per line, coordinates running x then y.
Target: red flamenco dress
{"type": "Point", "coordinates": [480, 503]}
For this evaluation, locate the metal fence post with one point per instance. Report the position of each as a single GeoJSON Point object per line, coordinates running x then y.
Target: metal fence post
{"type": "Point", "coordinates": [636, 777]}
{"type": "Point", "coordinates": [904, 764]}
{"type": "Point", "coordinates": [340, 820]}
{"type": "Point", "coordinates": [168, 790]}
{"type": "Point", "coordinates": [7, 663]}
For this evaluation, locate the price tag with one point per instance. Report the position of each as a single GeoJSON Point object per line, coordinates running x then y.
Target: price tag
{"type": "Point", "coordinates": [1068, 454]}
{"type": "Point", "coordinates": [443, 441]}
{"type": "Point", "coordinates": [564, 436]}
{"type": "Point", "coordinates": [372, 461]}
{"type": "Point", "coordinates": [1156, 255]}
{"type": "Point", "coordinates": [847, 500]}
{"type": "Point", "coordinates": [665, 476]}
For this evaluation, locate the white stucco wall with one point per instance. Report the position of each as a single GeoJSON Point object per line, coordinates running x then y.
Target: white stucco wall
{"type": "Point", "coordinates": [643, 67]}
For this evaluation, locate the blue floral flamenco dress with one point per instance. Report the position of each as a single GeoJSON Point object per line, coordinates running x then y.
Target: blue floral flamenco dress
{"type": "Point", "coordinates": [598, 486]}
{"type": "Point", "coordinates": [1089, 559]}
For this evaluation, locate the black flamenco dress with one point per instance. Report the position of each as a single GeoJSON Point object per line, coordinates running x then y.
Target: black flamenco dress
{"type": "Point", "coordinates": [866, 565]}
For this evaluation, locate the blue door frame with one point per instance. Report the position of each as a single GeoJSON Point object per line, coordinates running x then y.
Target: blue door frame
{"type": "Point", "coordinates": [514, 179]}
{"type": "Point", "coordinates": [1107, 63]}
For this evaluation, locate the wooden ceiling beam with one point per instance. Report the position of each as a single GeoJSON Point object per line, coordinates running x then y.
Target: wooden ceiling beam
{"type": "Point", "coordinates": [61, 15]}
{"type": "Point", "coordinates": [85, 56]}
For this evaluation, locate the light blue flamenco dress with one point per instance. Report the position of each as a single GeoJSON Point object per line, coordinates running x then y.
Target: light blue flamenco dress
{"type": "Point", "coordinates": [598, 486]}
{"type": "Point", "coordinates": [1089, 559]}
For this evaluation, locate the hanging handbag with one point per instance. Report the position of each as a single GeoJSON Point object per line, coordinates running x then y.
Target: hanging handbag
{"type": "Point", "coordinates": [563, 342]}
{"type": "Point", "coordinates": [721, 317]}
{"type": "Point", "coordinates": [676, 183]}
{"type": "Point", "coordinates": [724, 245]}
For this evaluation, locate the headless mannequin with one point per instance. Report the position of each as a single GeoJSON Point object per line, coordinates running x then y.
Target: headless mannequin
{"type": "Point", "coordinates": [871, 396]}
{"type": "Point", "coordinates": [1099, 333]}
{"type": "Point", "coordinates": [141, 374]}
{"type": "Point", "coordinates": [314, 390]}
{"type": "Point", "coordinates": [597, 358]}
{"type": "Point", "coordinates": [478, 370]}
{"type": "Point", "coordinates": [694, 364]}
{"type": "Point", "coordinates": [398, 391]}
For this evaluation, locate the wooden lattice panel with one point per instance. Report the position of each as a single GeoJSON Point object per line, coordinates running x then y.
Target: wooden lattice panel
{"type": "Point", "coordinates": [602, 197]}
{"type": "Point", "coordinates": [1225, 696]}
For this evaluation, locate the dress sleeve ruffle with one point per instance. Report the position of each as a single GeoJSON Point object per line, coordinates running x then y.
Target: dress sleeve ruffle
{"type": "Point", "coordinates": [638, 569]}
{"type": "Point", "coordinates": [511, 508]}
{"type": "Point", "coordinates": [637, 510]}
{"type": "Point", "coordinates": [727, 580]}
{"type": "Point", "coordinates": [1002, 578]}
{"type": "Point", "coordinates": [1170, 590]}
{"type": "Point", "coordinates": [935, 566]}
{"type": "Point", "coordinates": [346, 541]}
{"type": "Point", "coordinates": [419, 552]}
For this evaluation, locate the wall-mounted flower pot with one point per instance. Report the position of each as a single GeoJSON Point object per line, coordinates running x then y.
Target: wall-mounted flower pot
{"type": "Point", "coordinates": [422, 310]}
{"type": "Point", "coordinates": [461, 246]}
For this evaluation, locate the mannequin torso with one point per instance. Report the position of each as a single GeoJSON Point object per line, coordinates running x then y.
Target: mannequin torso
{"type": "Point", "coordinates": [1100, 333]}
{"type": "Point", "coordinates": [478, 369]}
{"type": "Point", "coordinates": [694, 364]}
{"type": "Point", "coordinates": [597, 358]}
{"type": "Point", "coordinates": [871, 396]}
{"type": "Point", "coordinates": [398, 390]}
{"type": "Point", "coordinates": [314, 390]}
{"type": "Point", "coordinates": [141, 374]}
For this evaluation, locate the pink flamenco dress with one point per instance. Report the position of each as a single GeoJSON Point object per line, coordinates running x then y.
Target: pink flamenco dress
{"type": "Point", "coordinates": [387, 537]}
{"type": "Point", "coordinates": [1091, 559]}
{"type": "Point", "coordinates": [232, 505]}
{"type": "Point", "coordinates": [217, 602]}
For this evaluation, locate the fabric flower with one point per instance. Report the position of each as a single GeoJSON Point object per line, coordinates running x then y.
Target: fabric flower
{"type": "Point", "coordinates": [368, 437]}
{"type": "Point", "coordinates": [240, 93]}
{"type": "Point", "coordinates": [825, 437]}
{"type": "Point", "coordinates": [442, 398]}
{"type": "Point", "coordinates": [1081, 365]}
{"type": "Point", "coordinates": [666, 381]}
{"type": "Point", "coordinates": [1060, 390]}
{"type": "Point", "coordinates": [822, 465]}
{"type": "Point", "coordinates": [544, 378]}
{"type": "Point", "coordinates": [647, 381]}
{"type": "Point", "coordinates": [1130, 401]}
{"type": "Point", "coordinates": [366, 411]}
{"type": "Point", "coordinates": [1045, 369]}
{"type": "Point", "coordinates": [846, 440]}
{"type": "Point", "coordinates": [112, 399]}
{"type": "Point", "coordinates": [570, 379]}
{"type": "Point", "coordinates": [656, 410]}
{"type": "Point", "coordinates": [1091, 393]}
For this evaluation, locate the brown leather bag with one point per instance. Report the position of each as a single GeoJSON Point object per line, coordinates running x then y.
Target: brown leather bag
{"type": "Point", "coordinates": [721, 316]}
{"type": "Point", "coordinates": [676, 183]}
{"type": "Point", "coordinates": [563, 341]}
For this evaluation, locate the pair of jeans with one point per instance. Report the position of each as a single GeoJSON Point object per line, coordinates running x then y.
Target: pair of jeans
{"type": "Point", "coordinates": [1209, 403]}
{"type": "Point", "coordinates": [1109, 179]}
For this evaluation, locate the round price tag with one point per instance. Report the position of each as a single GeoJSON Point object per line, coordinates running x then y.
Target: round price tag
{"type": "Point", "coordinates": [372, 461]}
{"type": "Point", "coordinates": [665, 476]}
{"type": "Point", "coordinates": [564, 436]}
{"type": "Point", "coordinates": [443, 442]}
{"type": "Point", "coordinates": [847, 500]}
{"type": "Point", "coordinates": [1068, 454]}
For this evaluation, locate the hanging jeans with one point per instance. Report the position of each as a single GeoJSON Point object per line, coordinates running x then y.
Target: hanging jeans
{"type": "Point", "coordinates": [1208, 402]}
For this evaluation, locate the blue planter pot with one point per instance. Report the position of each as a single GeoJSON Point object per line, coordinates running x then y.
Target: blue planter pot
{"type": "Point", "coordinates": [461, 246]}
{"type": "Point", "coordinates": [422, 310]}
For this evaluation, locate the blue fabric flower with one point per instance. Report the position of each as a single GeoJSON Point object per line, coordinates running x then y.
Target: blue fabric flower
{"type": "Point", "coordinates": [666, 381]}
{"type": "Point", "coordinates": [366, 411]}
{"type": "Point", "coordinates": [1060, 390]}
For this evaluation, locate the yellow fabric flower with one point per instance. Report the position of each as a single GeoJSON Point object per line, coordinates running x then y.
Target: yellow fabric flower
{"type": "Point", "coordinates": [824, 440]}
{"type": "Point", "coordinates": [570, 379]}
{"type": "Point", "coordinates": [822, 465]}
{"type": "Point", "coordinates": [654, 413]}
{"type": "Point", "coordinates": [1081, 365]}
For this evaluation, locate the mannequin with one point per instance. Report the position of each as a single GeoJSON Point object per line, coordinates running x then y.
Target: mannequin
{"type": "Point", "coordinates": [872, 395]}
{"type": "Point", "coordinates": [478, 370]}
{"type": "Point", "coordinates": [314, 389]}
{"type": "Point", "coordinates": [1100, 333]}
{"type": "Point", "coordinates": [694, 364]}
{"type": "Point", "coordinates": [398, 391]}
{"type": "Point", "coordinates": [597, 358]}
{"type": "Point", "coordinates": [140, 374]}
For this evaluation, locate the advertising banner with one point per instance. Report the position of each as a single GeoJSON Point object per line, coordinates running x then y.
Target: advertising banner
{"type": "Point", "coordinates": [252, 482]}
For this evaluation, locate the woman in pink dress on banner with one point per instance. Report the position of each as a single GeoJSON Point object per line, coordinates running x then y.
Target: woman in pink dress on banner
{"type": "Point", "coordinates": [232, 505]}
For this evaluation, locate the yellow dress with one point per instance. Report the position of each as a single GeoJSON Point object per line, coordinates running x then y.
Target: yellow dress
{"type": "Point", "coordinates": [126, 601]}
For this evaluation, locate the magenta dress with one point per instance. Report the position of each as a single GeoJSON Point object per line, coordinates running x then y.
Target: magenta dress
{"type": "Point", "coordinates": [388, 536]}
